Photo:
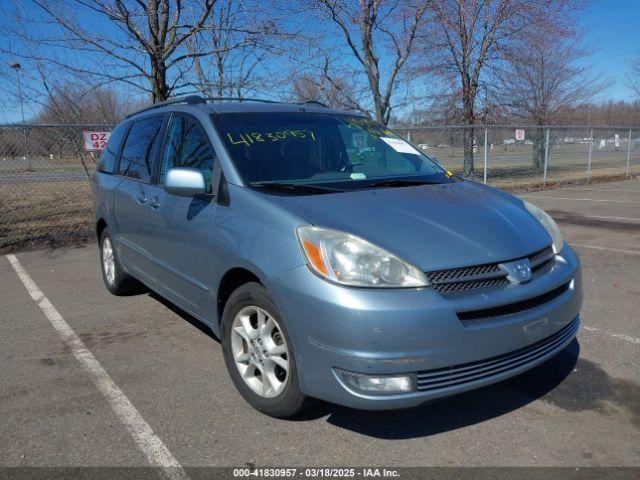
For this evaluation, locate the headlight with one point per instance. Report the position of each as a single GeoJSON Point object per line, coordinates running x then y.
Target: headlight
{"type": "Point", "coordinates": [549, 224]}
{"type": "Point", "coordinates": [349, 260]}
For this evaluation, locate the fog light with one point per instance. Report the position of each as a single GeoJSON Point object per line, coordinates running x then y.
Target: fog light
{"type": "Point", "coordinates": [380, 384]}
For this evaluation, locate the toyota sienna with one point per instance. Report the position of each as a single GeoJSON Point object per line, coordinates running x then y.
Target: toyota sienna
{"type": "Point", "coordinates": [332, 258]}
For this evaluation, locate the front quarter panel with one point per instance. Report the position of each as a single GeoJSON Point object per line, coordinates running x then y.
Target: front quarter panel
{"type": "Point", "coordinates": [256, 234]}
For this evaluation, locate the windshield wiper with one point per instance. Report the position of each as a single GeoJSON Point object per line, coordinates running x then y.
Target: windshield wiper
{"type": "Point", "coordinates": [296, 187]}
{"type": "Point", "coordinates": [400, 183]}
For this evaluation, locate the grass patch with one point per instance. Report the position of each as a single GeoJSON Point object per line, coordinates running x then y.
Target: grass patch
{"type": "Point", "coordinates": [44, 213]}
{"type": "Point", "coordinates": [45, 164]}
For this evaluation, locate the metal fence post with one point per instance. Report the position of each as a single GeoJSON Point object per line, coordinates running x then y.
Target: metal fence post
{"type": "Point", "coordinates": [26, 148]}
{"type": "Point", "coordinates": [626, 170]}
{"type": "Point", "coordinates": [408, 135]}
{"type": "Point", "coordinates": [590, 150]}
{"type": "Point", "coordinates": [485, 154]}
{"type": "Point", "coordinates": [546, 159]}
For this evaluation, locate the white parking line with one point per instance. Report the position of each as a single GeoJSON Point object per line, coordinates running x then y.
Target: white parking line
{"type": "Point", "coordinates": [599, 190]}
{"type": "Point", "coordinates": [581, 199]}
{"type": "Point", "coordinates": [153, 448]}
{"type": "Point", "coordinates": [621, 336]}
{"type": "Point", "coordinates": [626, 219]}
{"type": "Point", "coordinates": [617, 250]}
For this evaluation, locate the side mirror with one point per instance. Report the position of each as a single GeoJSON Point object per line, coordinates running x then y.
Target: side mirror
{"type": "Point", "coordinates": [185, 182]}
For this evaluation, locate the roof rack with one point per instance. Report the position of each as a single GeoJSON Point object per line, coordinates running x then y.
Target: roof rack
{"type": "Point", "coordinates": [314, 102]}
{"type": "Point", "coordinates": [241, 99]}
{"type": "Point", "coordinates": [264, 100]}
{"type": "Point", "coordinates": [188, 99]}
{"type": "Point", "coordinates": [197, 99]}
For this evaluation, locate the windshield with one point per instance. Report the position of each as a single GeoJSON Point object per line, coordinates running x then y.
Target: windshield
{"type": "Point", "coordinates": [330, 150]}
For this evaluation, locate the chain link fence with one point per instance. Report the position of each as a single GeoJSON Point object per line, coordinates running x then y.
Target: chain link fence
{"type": "Point", "coordinates": [535, 156]}
{"type": "Point", "coordinates": [45, 193]}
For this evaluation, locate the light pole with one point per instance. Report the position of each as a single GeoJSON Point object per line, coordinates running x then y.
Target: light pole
{"type": "Point", "coordinates": [16, 67]}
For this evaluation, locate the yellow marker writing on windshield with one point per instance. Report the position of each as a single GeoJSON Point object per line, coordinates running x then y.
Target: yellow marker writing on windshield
{"type": "Point", "coordinates": [250, 138]}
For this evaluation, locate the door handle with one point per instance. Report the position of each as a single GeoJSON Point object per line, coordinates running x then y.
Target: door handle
{"type": "Point", "coordinates": [141, 197]}
{"type": "Point", "coordinates": [154, 203]}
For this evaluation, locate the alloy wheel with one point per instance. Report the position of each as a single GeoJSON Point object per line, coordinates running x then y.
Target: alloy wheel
{"type": "Point", "coordinates": [260, 351]}
{"type": "Point", "coordinates": [108, 261]}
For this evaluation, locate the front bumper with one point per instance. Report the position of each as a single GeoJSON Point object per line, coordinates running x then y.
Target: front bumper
{"type": "Point", "coordinates": [417, 331]}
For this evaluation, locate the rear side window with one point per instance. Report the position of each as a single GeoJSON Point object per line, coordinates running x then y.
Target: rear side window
{"type": "Point", "coordinates": [109, 154]}
{"type": "Point", "coordinates": [186, 145]}
{"type": "Point", "coordinates": [136, 160]}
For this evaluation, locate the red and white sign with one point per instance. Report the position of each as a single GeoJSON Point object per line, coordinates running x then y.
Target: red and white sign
{"type": "Point", "coordinates": [520, 135]}
{"type": "Point", "coordinates": [95, 140]}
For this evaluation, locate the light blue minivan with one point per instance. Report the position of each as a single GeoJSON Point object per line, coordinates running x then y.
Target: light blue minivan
{"type": "Point", "coordinates": [332, 258]}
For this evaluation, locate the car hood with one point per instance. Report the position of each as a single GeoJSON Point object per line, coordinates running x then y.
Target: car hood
{"type": "Point", "coordinates": [432, 226]}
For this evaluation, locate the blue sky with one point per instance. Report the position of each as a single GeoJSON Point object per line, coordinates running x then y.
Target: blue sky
{"type": "Point", "coordinates": [613, 28]}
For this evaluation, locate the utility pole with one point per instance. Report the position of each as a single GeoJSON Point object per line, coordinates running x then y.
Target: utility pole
{"type": "Point", "coordinates": [16, 67]}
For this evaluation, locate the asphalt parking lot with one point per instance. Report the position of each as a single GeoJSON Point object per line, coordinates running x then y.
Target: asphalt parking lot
{"type": "Point", "coordinates": [581, 408]}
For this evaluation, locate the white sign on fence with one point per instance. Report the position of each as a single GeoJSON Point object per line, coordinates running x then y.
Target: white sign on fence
{"type": "Point", "coordinates": [520, 135]}
{"type": "Point", "coordinates": [95, 140]}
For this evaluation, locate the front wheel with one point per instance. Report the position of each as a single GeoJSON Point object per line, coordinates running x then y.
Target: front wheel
{"type": "Point", "coordinates": [258, 353]}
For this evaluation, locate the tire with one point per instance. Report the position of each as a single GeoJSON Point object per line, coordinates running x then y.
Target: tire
{"type": "Point", "coordinates": [279, 396]}
{"type": "Point", "coordinates": [117, 281]}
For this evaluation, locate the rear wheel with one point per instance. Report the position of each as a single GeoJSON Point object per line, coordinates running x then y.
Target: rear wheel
{"type": "Point", "coordinates": [115, 278]}
{"type": "Point", "coordinates": [258, 353]}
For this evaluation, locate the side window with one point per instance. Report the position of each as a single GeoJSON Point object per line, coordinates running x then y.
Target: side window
{"type": "Point", "coordinates": [136, 160]}
{"type": "Point", "coordinates": [186, 145]}
{"type": "Point", "coordinates": [109, 154]}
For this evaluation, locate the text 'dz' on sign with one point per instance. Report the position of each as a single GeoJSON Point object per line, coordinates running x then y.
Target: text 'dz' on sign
{"type": "Point", "coordinates": [95, 140]}
{"type": "Point", "coordinates": [520, 135]}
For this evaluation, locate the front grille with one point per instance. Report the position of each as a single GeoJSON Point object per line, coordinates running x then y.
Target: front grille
{"type": "Point", "coordinates": [516, 307]}
{"type": "Point", "coordinates": [470, 372]}
{"type": "Point", "coordinates": [541, 257]}
{"type": "Point", "coordinates": [457, 280]}
{"type": "Point", "coordinates": [465, 273]}
{"type": "Point", "coordinates": [456, 287]}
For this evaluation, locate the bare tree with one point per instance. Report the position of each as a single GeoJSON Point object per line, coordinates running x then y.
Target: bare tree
{"type": "Point", "coordinates": [309, 88]}
{"type": "Point", "coordinates": [608, 112]}
{"type": "Point", "coordinates": [53, 94]}
{"type": "Point", "coordinates": [231, 49]}
{"type": "Point", "coordinates": [545, 79]}
{"type": "Point", "coordinates": [74, 104]}
{"type": "Point", "coordinates": [368, 28]}
{"type": "Point", "coordinates": [139, 43]}
{"type": "Point", "coordinates": [634, 75]}
{"type": "Point", "coordinates": [56, 95]}
{"type": "Point", "coordinates": [472, 36]}
{"type": "Point", "coordinates": [328, 85]}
